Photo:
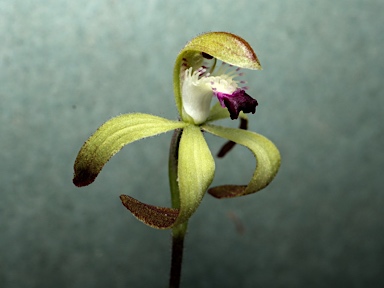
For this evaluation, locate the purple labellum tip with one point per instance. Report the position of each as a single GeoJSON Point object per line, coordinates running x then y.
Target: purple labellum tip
{"type": "Point", "coordinates": [236, 102]}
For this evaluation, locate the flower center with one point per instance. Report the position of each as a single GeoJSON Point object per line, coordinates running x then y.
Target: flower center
{"type": "Point", "coordinates": [198, 87]}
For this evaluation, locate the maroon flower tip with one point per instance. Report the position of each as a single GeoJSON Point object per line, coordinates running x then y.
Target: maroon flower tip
{"type": "Point", "coordinates": [83, 177]}
{"type": "Point", "coordinates": [236, 102]}
{"type": "Point", "coordinates": [206, 56]}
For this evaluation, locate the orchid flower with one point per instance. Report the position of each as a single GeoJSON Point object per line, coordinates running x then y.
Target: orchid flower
{"type": "Point", "coordinates": [199, 80]}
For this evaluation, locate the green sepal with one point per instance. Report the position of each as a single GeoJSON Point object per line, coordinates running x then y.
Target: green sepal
{"type": "Point", "coordinates": [267, 160]}
{"type": "Point", "coordinates": [111, 137]}
{"type": "Point", "coordinates": [196, 169]}
{"type": "Point", "coordinates": [224, 46]}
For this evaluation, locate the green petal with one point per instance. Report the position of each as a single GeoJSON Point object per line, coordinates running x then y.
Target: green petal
{"type": "Point", "coordinates": [224, 46]}
{"type": "Point", "coordinates": [111, 137]}
{"type": "Point", "coordinates": [196, 168]}
{"type": "Point", "coordinates": [195, 171]}
{"type": "Point", "coordinates": [267, 158]}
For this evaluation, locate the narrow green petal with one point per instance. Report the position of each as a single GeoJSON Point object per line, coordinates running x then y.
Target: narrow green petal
{"type": "Point", "coordinates": [111, 137]}
{"type": "Point", "coordinates": [267, 158]}
{"type": "Point", "coordinates": [195, 171]}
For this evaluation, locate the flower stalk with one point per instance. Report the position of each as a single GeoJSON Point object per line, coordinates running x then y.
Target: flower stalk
{"type": "Point", "coordinates": [179, 231]}
{"type": "Point", "coordinates": [178, 236]}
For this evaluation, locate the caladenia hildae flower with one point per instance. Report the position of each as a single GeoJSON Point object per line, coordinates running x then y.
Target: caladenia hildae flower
{"type": "Point", "coordinates": [199, 81]}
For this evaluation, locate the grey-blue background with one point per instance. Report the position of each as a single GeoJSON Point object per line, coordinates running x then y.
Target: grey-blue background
{"type": "Point", "coordinates": [66, 66]}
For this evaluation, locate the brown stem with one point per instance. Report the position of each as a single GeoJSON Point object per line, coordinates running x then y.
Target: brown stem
{"type": "Point", "coordinates": [178, 235]}
{"type": "Point", "coordinates": [178, 232]}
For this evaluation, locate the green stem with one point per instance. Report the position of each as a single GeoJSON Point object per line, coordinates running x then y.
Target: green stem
{"type": "Point", "coordinates": [179, 231]}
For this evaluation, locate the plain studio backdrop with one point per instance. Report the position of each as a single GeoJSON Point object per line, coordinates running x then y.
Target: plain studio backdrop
{"type": "Point", "coordinates": [66, 66]}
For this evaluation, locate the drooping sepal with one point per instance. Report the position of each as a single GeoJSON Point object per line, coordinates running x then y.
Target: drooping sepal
{"type": "Point", "coordinates": [111, 137]}
{"type": "Point", "coordinates": [267, 160]}
{"type": "Point", "coordinates": [196, 169]}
